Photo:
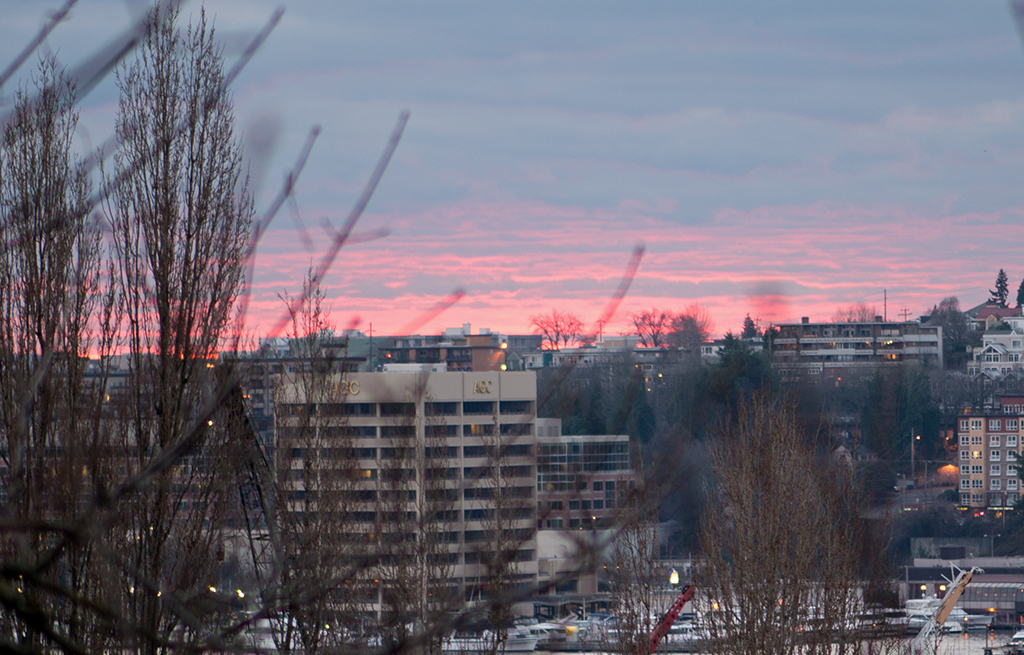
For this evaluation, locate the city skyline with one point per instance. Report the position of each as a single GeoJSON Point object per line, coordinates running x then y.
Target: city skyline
{"type": "Point", "coordinates": [780, 161]}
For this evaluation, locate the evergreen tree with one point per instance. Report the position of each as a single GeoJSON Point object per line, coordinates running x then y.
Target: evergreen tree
{"type": "Point", "coordinates": [1020, 294]}
{"type": "Point", "coordinates": [1002, 291]}
{"type": "Point", "coordinates": [749, 328]}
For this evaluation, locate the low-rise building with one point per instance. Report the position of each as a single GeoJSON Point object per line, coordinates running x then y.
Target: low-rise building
{"type": "Point", "coordinates": [582, 480]}
{"type": "Point", "coordinates": [827, 349]}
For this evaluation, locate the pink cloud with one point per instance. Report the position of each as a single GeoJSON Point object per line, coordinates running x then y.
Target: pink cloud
{"type": "Point", "coordinates": [521, 258]}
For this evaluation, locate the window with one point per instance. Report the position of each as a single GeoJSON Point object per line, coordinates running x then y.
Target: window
{"type": "Point", "coordinates": [1011, 424]}
{"type": "Point", "coordinates": [599, 486]}
{"type": "Point", "coordinates": [1011, 499]}
{"type": "Point", "coordinates": [976, 440]}
{"type": "Point", "coordinates": [963, 425]}
{"type": "Point", "coordinates": [995, 470]}
{"type": "Point", "coordinates": [977, 469]}
{"type": "Point", "coordinates": [975, 423]}
{"type": "Point", "coordinates": [553, 523]}
{"type": "Point", "coordinates": [994, 456]}
{"type": "Point", "coordinates": [964, 440]}
{"type": "Point", "coordinates": [977, 498]}
{"type": "Point", "coordinates": [1011, 483]}
{"type": "Point", "coordinates": [993, 440]}
{"type": "Point", "coordinates": [977, 484]}
{"type": "Point", "coordinates": [965, 454]}
{"type": "Point", "coordinates": [598, 504]}
{"type": "Point", "coordinates": [965, 484]}
{"type": "Point", "coordinates": [965, 499]}
{"type": "Point", "coordinates": [574, 505]}
{"type": "Point", "coordinates": [1011, 441]}
{"type": "Point", "coordinates": [975, 454]}
{"type": "Point", "coordinates": [995, 484]}
{"type": "Point", "coordinates": [965, 469]}
{"type": "Point", "coordinates": [994, 424]}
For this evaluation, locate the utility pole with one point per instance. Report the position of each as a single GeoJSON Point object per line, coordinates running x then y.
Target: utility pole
{"type": "Point", "coordinates": [911, 453]}
{"type": "Point", "coordinates": [371, 348]}
{"type": "Point", "coordinates": [885, 305]}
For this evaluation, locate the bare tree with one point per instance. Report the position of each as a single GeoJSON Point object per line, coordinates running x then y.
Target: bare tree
{"type": "Point", "coordinates": [856, 313]}
{"type": "Point", "coordinates": [318, 496]}
{"type": "Point", "coordinates": [691, 327]}
{"type": "Point", "coordinates": [651, 326]}
{"type": "Point", "coordinates": [180, 218]}
{"type": "Point", "coordinates": [634, 553]}
{"type": "Point", "coordinates": [781, 539]}
{"type": "Point", "coordinates": [51, 316]}
{"type": "Point", "coordinates": [559, 329]}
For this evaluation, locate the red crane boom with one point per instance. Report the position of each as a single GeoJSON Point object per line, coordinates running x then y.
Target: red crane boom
{"type": "Point", "coordinates": [673, 613]}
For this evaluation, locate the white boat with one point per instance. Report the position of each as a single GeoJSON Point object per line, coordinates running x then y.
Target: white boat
{"type": "Point", "coordinates": [518, 641]}
{"type": "Point", "coordinates": [1017, 639]}
{"type": "Point", "coordinates": [687, 634]}
{"type": "Point", "coordinates": [921, 610]}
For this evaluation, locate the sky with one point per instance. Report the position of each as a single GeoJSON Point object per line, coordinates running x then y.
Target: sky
{"type": "Point", "coordinates": [778, 159]}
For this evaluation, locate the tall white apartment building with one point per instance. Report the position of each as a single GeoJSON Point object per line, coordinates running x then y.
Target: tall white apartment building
{"type": "Point", "coordinates": [440, 426]}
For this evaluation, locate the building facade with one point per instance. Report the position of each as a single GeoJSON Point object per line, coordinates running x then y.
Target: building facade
{"type": "Point", "coordinates": [582, 480]}
{"type": "Point", "coordinates": [827, 349]}
{"type": "Point", "coordinates": [988, 445]}
{"type": "Point", "coordinates": [467, 438]}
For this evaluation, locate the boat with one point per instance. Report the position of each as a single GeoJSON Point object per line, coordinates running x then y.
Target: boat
{"type": "Point", "coordinates": [1017, 639]}
{"type": "Point", "coordinates": [687, 635]}
{"type": "Point", "coordinates": [518, 641]}
{"type": "Point", "coordinates": [921, 610]}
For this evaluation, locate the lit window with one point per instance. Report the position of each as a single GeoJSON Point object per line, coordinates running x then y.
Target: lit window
{"type": "Point", "coordinates": [975, 454]}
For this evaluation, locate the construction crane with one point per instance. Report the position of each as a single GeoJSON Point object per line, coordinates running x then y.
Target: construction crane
{"type": "Point", "coordinates": [670, 617]}
{"type": "Point", "coordinates": [930, 629]}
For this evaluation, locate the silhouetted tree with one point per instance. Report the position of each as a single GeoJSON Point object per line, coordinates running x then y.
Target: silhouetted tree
{"type": "Point", "coordinates": [957, 334]}
{"type": "Point", "coordinates": [651, 326]}
{"type": "Point", "coordinates": [691, 327]}
{"type": "Point", "coordinates": [858, 313]}
{"type": "Point", "coordinates": [559, 329]}
{"type": "Point", "coordinates": [180, 227]}
{"type": "Point", "coordinates": [1001, 293]}
{"type": "Point", "coordinates": [749, 328]}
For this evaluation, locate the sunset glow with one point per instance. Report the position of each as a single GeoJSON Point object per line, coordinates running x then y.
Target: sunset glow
{"type": "Point", "coordinates": [781, 161]}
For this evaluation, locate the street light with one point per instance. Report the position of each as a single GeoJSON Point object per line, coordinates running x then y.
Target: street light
{"type": "Point", "coordinates": [673, 577]}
